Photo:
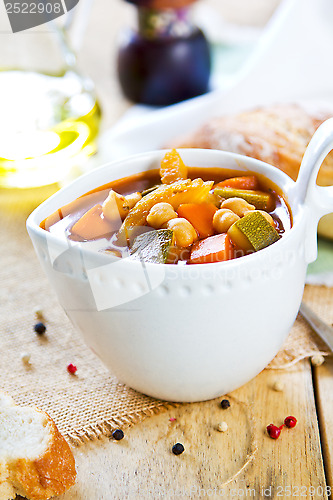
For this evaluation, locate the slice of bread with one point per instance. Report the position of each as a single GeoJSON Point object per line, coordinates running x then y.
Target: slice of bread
{"type": "Point", "coordinates": [35, 460]}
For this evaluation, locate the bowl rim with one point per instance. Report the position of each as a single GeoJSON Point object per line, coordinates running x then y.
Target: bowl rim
{"type": "Point", "coordinates": [282, 180]}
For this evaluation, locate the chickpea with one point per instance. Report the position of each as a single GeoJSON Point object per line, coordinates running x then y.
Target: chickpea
{"type": "Point", "coordinates": [268, 217]}
{"type": "Point", "coordinates": [132, 199]}
{"type": "Point", "coordinates": [160, 214]}
{"type": "Point", "coordinates": [115, 206]}
{"type": "Point", "coordinates": [223, 219]}
{"type": "Point", "coordinates": [237, 205]}
{"type": "Point", "coordinates": [183, 231]}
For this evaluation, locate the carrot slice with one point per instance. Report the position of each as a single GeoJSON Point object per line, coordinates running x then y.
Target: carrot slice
{"type": "Point", "coordinates": [200, 216]}
{"type": "Point", "coordinates": [214, 249]}
{"type": "Point", "coordinates": [92, 225]}
{"type": "Point", "coordinates": [245, 182]}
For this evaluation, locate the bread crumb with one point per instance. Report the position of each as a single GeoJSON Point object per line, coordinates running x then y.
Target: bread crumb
{"type": "Point", "coordinates": [222, 427]}
{"type": "Point", "coordinates": [25, 357]}
{"type": "Point", "coordinates": [278, 386]}
{"type": "Point", "coordinates": [317, 360]}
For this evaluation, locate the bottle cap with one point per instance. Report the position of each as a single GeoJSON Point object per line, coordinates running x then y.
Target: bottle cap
{"type": "Point", "coordinates": [162, 4]}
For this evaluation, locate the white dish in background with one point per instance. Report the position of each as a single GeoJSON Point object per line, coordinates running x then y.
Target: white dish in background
{"type": "Point", "coordinates": [289, 64]}
{"type": "Point", "coordinates": [188, 333]}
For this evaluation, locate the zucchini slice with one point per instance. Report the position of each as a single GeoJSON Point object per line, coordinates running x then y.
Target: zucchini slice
{"type": "Point", "coordinates": [253, 232]}
{"type": "Point", "coordinates": [152, 246]}
{"type": "Point", "coordinates": [260, 199]}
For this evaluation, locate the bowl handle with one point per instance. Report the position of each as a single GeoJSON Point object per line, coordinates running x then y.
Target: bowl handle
{"type": "Point", "coordinates": [317, 200]}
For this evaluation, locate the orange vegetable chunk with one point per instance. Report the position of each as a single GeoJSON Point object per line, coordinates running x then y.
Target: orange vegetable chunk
{"type": "Point", "coordinates": [172, 168]}
{"type": "Point", "coordinates": [52, 219]}
{"type": "Point", "coordinates": [214, 249]}
{"type": "Point", "coordinates": [70, 208]}
{"type": "Point", "coordinates": [92, 225]}
{"type": "Point", "coordinates": [200, 215]}
{"type": "Point", "coordinates": [245, 182]}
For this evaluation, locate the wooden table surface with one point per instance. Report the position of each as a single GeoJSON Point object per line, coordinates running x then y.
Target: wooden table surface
{"type": "Point", "coordinates": [243, 461]}
{"type": "Point", "coordinates": [298, 464]}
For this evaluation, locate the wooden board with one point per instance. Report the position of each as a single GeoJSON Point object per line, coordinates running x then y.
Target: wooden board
{"type": "Point", "coordinates": [323, 379]}
{"type": "Point", "coordinates": [143, 466]}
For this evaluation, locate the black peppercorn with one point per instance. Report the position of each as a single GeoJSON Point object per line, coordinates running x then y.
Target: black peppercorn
{"type": "Point", "coordinates": [225, 404]}
{"type": "Point", "coordinates": [178, 449]}
{"type": "Point", "coordinates": [118, 434]}
{"type": "Point", "coordinates": [40, 328]}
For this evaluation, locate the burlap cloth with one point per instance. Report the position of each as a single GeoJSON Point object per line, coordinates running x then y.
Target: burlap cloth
{"type": "Point", "coordinates": [92, 402]}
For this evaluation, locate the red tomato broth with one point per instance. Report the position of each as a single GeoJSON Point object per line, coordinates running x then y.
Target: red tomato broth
{"type": "Point", "coordinates": [66, 217]}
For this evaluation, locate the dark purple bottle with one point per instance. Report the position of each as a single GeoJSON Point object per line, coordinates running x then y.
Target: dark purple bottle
{"type": "Point", "coordinates": [168, 59]}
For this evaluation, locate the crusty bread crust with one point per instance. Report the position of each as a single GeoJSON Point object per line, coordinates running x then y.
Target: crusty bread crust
{"type": "Point", "coordinates": [50, 474]}
{"type": "Point", "coordinates": [7, 491]}
{"type": "Point", "coordinates": [277, 135]}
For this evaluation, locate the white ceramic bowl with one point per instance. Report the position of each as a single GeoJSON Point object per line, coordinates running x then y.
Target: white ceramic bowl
{"type": "Point", "coordinates": [188, 333]}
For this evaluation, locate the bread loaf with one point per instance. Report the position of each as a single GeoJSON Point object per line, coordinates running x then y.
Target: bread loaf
{"type": "Point", "coordinates": [277, 135]}
{"type": "Point", "coordinates": [35, 460]}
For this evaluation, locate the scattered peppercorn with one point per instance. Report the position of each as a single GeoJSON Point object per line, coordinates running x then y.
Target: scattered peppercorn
{"type": "Point", "coordinates": [222, 427]}
{"type": "Point", "coordinates": [290, 422]}
{"type": "Point", "coordinates": [40, 328]}
{"type": "Point", "coordinates": [274, 431]}
{"type": "Point", "coordinates": [225, 404]}
{"type": "Point", "coordinates": [71, 368]}
{"type": "Point", "coordinates": [317, 360]}
{"type": "Point", "coordinates": [38, 312]}
{"type": "Point", "coordinates": [278, 386]}
{"type": "Point", "coordinates": [118, 434]}
{"type": "Point", "coordinates": [25, 357]}
{"type": "Point", "coordinates": [178, 449]}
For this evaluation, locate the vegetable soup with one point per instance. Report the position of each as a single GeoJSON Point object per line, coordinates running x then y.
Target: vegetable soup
{"type": "Point", "coordinates": [177, 215]}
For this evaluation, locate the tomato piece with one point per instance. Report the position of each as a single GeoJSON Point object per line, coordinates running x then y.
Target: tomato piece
{"type": "Point", "coordinates": [92, 225]}
{"type": "Point", "coordinates": [245, 182]}
{"type": "Point", "coordinates": [200, 215]}
{"type": "Point", "coordinates": [214, 249]}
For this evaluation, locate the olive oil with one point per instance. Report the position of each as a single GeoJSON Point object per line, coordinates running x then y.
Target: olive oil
{"type": "Point", "coordinates": [48, 127]}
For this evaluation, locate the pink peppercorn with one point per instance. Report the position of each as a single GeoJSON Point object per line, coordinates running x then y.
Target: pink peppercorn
{"type": "Point", "coordinates": [274, 431]}
{"type": "Point", "coordinates": [71, 368]}
{"type": "Point", "coordinates": [290, 422]}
